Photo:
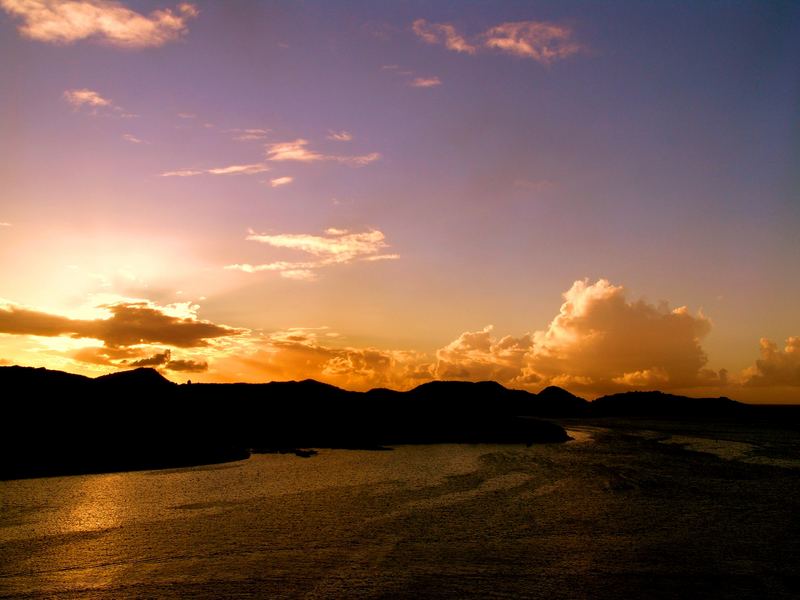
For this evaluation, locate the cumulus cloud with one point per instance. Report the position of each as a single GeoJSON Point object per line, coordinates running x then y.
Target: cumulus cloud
{"type": "Point", "coordinates": [279, 181]}
{"type": "Point", "coordinates": [477, 356]}
{"type": "Point", "coordinates": [128, 324]}
{"type": "Point", "coordinates": [251, 169]}
{"type": "Point", "coordinates": [297, 150]}
{"type": "Point", "coordinates": [543, 42]}
{"type": "Point", "coordinates": [776, 367]}
{"type": "Point", "coordinates": [337, 246]}
{"type": "Point", "coordinates": [442, 33]}
{"type": "Point", "coordinates": [599, 342]}
{"type": "Point", "coordinates": [106, 21]}
{"type": "Point", "coordinates": [425, 82]}
{"type": "Point", "coordinates": [307, 353]}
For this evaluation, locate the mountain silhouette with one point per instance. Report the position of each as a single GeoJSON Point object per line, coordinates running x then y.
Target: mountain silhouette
{"type": "Point", "coordinates": [59, 423]}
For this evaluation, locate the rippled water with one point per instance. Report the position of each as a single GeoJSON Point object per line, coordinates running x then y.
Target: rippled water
{"type": "Point", "coordinates": [612, 514]}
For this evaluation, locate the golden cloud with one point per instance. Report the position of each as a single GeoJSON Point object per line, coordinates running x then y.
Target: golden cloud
{"type": "Point", "coordinates": [109, 22]}
{"type": "Point", "coordinates": [776, 367]}
{"type": "Point", "coordinates": [129, 324]}
{"type": "Point", "coordinates": [337, 246]}
{"type": "Point", "coordinates": [540, 41]}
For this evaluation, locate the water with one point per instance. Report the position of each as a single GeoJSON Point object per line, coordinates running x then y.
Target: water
{"type": "Point", "coordinates": [615, 513]}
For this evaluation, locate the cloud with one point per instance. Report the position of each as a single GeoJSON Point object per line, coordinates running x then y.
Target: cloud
{"type": "Point", "coordinates": [543, 42]}
{"type": "Point", "coordinates": [128, 324]}
{"type": "Point", "coordinates": [602, 341]}
{"type": "Point", "coordinates": [301, 353]}
{"type": "Point", "coordinates": [599, 342]}
{"type": "Point", "coordinates": [246, 135]}
{"type": "Point", "coordinates": [337, 246]}
{"type": "Point", "coordinates": [297, 150]}
{"type": "Point", "coordinates": [164, 360]}
{"type": "Point", "coordinates": [5, 224]}
{"type": "Point", "coordinates": [425, 82]}
{"type": "Point", "coordinates": [152, 361]}
{"type": "Point", "coordinates": [106, 21]}
{"type": "Point", "coordinates": [279, 181]}
{"type": "Point", "coordinates": [252, 169]}
{"type": "Point", "coordinates": [129, 137]}
{"type": "Point", "coordinates": [776, 367]}
{"type": "Point", "coordinates": [477, 356]}
{"type": "Point", "coordinates": [340, 136]}
{"type": "Point", "coordinates": [442, 33]}
{"type": "Point", "coordinates": [85, 97]}
{"type": "Point", "coordinates": [239, 170]}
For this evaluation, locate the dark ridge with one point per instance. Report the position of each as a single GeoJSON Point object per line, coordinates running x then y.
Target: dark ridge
{"type": "Point", "coordinates": [141, 377]}
{"type": "Point", "coordinates": [659, 404]}
{"type": "Point", "coordinates": [56, 423]}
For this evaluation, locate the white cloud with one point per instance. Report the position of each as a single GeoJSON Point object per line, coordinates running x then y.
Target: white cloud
{"type": "Point", "coordinates": [279, 181]}
{"type": "Point", "coordinates": [337, 246]}
{"type": "Point", "coordinates": [297, 150]}
{"type": "Point", "coordinates": [425, 82]}
{"type": "Point", "coordinates": [340, 136]}
{"type": "Point", "coordinates": [109, 22]}
{"type": "Point", "coordinates": [86, 97]}
{"type": "Point", "coordinates": [252, 169]}
{"type": "Point", "coordinates": [239, 169]}
{"type": "Point", "coordinates": [182, 173]}
{"type": "Point", "coordinates": [538, 40]}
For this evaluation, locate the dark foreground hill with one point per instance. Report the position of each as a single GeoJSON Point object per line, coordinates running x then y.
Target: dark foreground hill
{"type": "Point", "coordinates": [58, 423]}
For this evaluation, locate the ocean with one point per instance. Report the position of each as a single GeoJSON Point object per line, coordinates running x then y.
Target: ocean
{"type": "Point", "coordinates": [634, 510]}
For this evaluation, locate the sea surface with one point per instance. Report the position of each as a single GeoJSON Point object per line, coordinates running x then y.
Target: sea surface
{"type": "Point", "coordinates": [620, 512]}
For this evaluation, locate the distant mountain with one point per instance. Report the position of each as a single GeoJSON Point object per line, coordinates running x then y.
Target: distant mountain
{"type": "Point", "coordinates": [659, 404]}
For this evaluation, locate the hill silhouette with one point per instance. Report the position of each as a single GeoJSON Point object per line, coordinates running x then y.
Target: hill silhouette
{"type": "Point", "coordinates": [58, 423]}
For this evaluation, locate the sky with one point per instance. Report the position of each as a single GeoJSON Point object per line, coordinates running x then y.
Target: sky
{"type": "Point", "coordinates": [603, 196]}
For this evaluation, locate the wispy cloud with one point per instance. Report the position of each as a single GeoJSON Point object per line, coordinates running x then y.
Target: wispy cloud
{"type": "Point", "coordinates": [442, 33]}
{"type": "Point", "coordinates": [106, 21]}
{"type": "Point", "coordinates": [279, 181]}
{"type": "Point", "coordinates": [425, 82]}
{"type": "Point", "coordinates": [239, 169]}
{"type": "Point", "coordinates": [541, 41]}
{"type": "Point", "coordinates": [337, 246]}
{"type": "Point", "coordinates": [340, 136]}
{"type": "Point", "coordinates": [4, 224]}
{"type": "Point", "coordinates": [252, 169]}
{"type": "Point", "coordinates": [297, 150]}
{"type": "Point", "coordinates": [246, 135]}
{"type": "Point", "coordinates": [129, 137]}
{"type": "Point", "coordinates": [94, 102]}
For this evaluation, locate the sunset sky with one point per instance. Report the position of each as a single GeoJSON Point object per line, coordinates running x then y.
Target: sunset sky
{"type": "Point", "coordinates": [603, 196]}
